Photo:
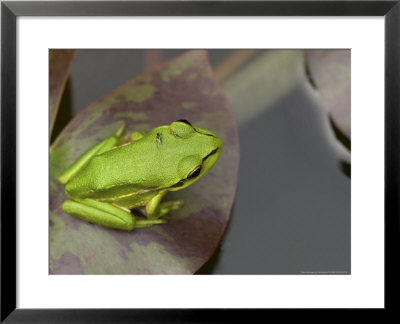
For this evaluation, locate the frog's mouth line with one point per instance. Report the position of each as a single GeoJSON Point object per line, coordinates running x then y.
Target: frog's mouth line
{"type": "Point", "coordinates": [210, 154]}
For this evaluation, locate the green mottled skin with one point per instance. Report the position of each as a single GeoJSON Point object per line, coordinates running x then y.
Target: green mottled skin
{"type": "Point", "coordinates": [110, 179]}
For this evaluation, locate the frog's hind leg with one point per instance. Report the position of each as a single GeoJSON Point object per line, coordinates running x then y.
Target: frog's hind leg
{"type": "Point", "coordinates": [106, 214]}
{"type": "Point", "coordinates": [99, 148]}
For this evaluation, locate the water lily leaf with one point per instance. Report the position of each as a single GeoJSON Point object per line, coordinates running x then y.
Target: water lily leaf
{"type": "Point", "coordinates": [183, 88]}
{"type": "Point", "coordinates": [59, 65]}
{"type": "Point", "coordinates": [330, 72]}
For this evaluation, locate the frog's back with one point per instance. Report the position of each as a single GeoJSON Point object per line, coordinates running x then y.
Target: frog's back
{"type": "Point", "coordinates": [126, 169]}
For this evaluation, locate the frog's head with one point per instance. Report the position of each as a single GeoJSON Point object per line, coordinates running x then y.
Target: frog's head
{"type": "Point", "coordinates": [197, 150]}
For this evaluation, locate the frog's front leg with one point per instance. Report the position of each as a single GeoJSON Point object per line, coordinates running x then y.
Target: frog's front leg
{"type": "Point", "coordinates": [106, 214]}
{"type": "Point", "coordinates": [99, 148]}
{"type": "Point", "coordinates": [136, 136]}
{"type": "Point", "coordinates": [155, 208]}
{"type": "Point", "coordinates": [133, 137]}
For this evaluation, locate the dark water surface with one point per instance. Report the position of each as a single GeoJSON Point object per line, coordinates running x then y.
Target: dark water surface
{"type": "Point", "coordinates": [292, 209]}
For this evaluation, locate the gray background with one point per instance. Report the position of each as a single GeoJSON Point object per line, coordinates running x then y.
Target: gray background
{"type": "Point", "coordinates": [292, 209]}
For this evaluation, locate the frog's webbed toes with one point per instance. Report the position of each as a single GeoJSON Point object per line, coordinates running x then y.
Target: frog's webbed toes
{"type": "Point", "coordinates": [167, 206]}
{"type": "Point", "coordinates": [142, 223]}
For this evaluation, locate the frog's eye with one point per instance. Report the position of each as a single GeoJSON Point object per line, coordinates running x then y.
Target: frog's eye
{"type": "Point", "coordinates": [184, 121]}
{"type": "Point", "coordinates": [195, 173]}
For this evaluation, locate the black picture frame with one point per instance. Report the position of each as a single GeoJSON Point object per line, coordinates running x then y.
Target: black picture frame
{"type": "Point", "coordinates": [10, 10]}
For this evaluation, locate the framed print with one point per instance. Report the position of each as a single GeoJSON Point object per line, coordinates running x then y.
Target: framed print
{"type": "Point", "coordinates": [293, 139]}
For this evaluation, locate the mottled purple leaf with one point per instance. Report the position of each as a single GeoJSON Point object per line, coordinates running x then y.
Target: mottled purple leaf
{"type": "Point", "coordinates": [59, 65]}
{"type": "Point", "coordinates": [330, 72]}
{"type": "Point", "coordinates": [184, 88]}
